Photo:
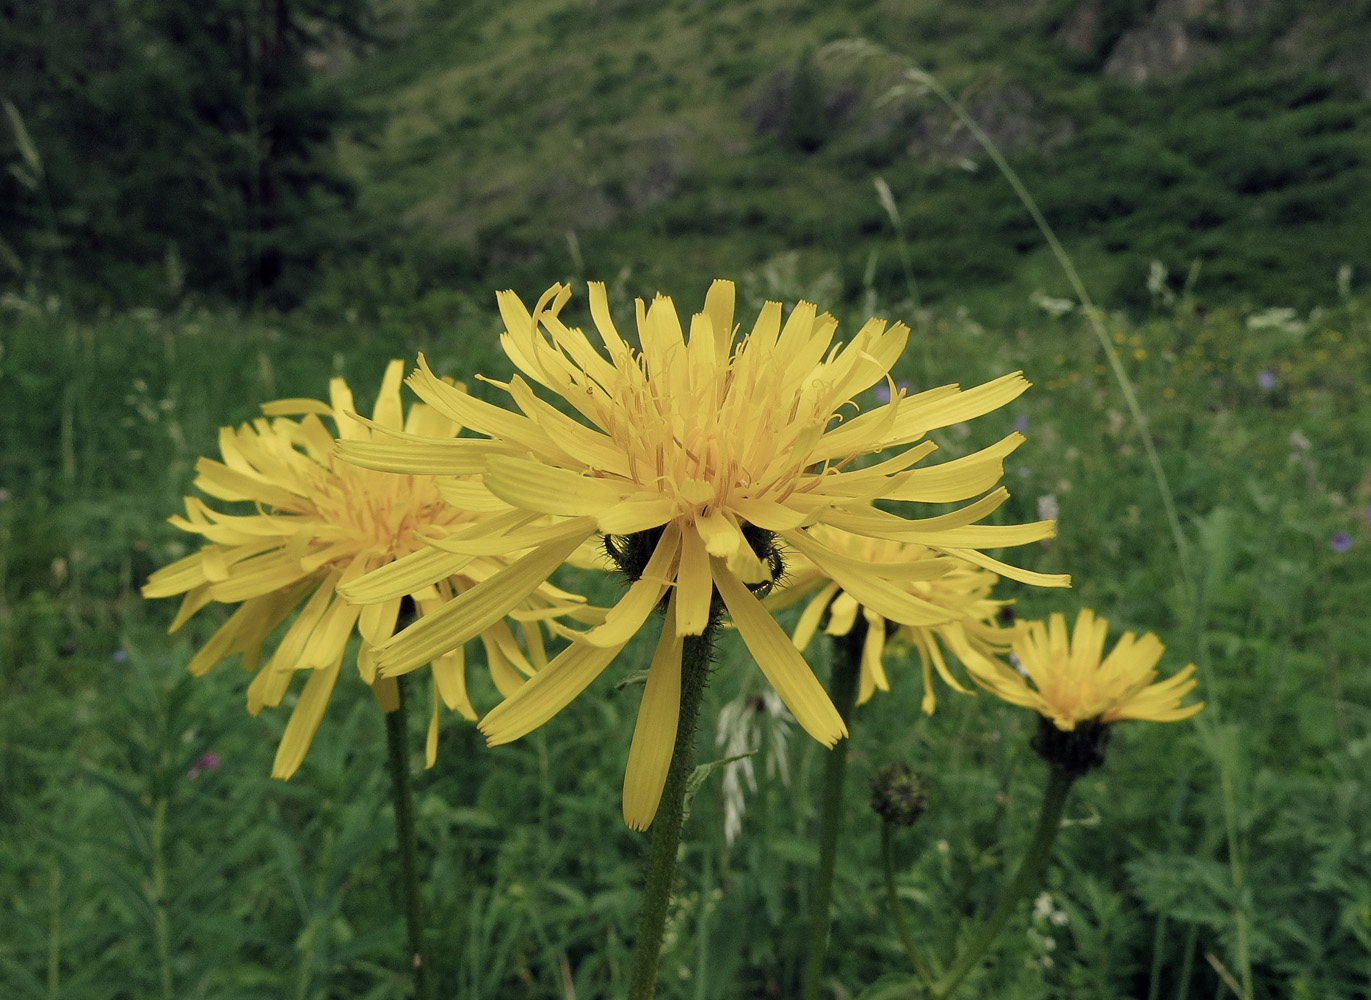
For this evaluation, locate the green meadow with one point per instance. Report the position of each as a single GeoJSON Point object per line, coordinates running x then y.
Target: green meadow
{"type": "Point", "coordinates": [146, 853]}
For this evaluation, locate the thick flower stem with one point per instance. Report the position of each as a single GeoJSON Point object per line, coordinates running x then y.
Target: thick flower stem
{"type": "Point", "coordinates": [897, 911]}
{"type": "Point", "coordinates": [403, 799]}
{"type": "Point", "coordinates": [1059, 784]}
{"type": "Point", "coordinates": [842, 689]}
{"type": "Point", "coordinates": [666, 826]}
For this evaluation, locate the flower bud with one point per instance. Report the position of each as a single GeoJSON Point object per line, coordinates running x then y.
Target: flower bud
{"type": "Point", "coordinates": [898, 794]}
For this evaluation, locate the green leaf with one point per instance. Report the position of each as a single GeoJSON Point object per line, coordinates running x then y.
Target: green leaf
{"type": "Point", "coordinates": [24, 141]}
{"type": "Point", "coordinates": [703, 771]}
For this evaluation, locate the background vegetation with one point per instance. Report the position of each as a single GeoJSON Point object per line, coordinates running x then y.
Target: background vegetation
{"type": "Point", "coordinates": [351, 154]}
{"type": "Point", "coordinates": [677, 142]}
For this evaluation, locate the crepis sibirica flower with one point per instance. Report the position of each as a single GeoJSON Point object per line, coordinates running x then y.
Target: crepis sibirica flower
{"type": "Point", "coordinates": [697, 451]}
{"type": "Point", "coordinates": [316, 524]}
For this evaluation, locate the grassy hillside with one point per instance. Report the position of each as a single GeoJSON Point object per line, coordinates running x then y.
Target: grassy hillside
{"type": "Point", "coordinates": [521, 142]}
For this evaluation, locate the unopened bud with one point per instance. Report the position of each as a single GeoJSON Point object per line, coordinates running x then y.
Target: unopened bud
{"type": "Point", "coordinates": [898, 794]}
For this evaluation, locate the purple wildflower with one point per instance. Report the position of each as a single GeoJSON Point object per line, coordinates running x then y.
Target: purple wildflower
{"type": "Point", "coordinates": [207, 762]}
{"type": "Point", "coordinates": [1340, 542]}
{"type": "Point", "coordinates": [1021, 423]}
{"type": "Point", "coordinates": [1266, 379]}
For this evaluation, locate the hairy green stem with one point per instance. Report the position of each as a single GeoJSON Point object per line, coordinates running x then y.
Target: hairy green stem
{"type": "Point", "coordinates": [897, 911]}
{"type": "Point", "coordinates": [842, 689]}
{"type": "Point", "coordinates": [1059, 784]}
{"type": "Point", "coordinates": [666, 825]}
{"type": "Point", "coordinates": [402, 797]}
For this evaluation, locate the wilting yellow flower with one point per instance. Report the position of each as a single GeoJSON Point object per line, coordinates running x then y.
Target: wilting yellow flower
{"type": "Point", "coordinates": [1070, 684]}
{"type": "Point", "coordinates": [699, 450]}
{"type": "Point", "coordinates": [972, 631]}
{"type": "Point", "coordinates": [319, 524]}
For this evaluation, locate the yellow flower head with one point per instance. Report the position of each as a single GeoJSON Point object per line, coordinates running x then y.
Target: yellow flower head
{"type": "Point", "coordinates": [700, 450]}
{"type": "Point", "coordinates": [972, 630]}
{"type": "Point", "coordinates": [1065, 680]}
{"type": "Point", "coordinates": [319, 524]}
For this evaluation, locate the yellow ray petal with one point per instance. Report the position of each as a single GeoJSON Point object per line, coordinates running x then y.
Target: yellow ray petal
{"type": "Point", "coordinates": [654, 734]}
{"type": "Point", "coordinates": [694, 585]}
{"type": "Point", "coordinates": [304, 721]}
{"type": "Point", "coordinates": [388, 412]}
{"type": "Point", "coordinates": [782, 664]}
{"type": "Point", "coordinates": [1011, 572]}
{"type": "Point", "coordinates": [628, 615]}
{"type": "Point", "coordinates": [719, 308]}
{"type": "Point", "coordinates": [875, 523]}
{"type": "Point", "coordinates": [191, 603]}
{"type": "Point", "coordinates": [297, 407]}
{"type": "Point", "coordinates": [812, 615]}
{"type": "Point", "coordinates": [470, 495]}
{"type": "Point", "coordinates": [546, 693]}
{"type": "Point", "coordinates": [450, 682]}
{"type": "Point", "coordinates": [768, 514]}
{"type": "Point", "coordinates": [421, 456]}
{"type": "Point", "coordinates": [537, 486]}
{"type": "Point", "coordinates": [404, 576]}
{"type": "Point", "coordinates": [527, 535]}
{"type": "Point", "coordinates": [431, 737]}
{"type": "Point", "coordinates": [258, 575]}
{"type": "Point", "coordinates": [507, 679]}
{"type": "Point", "coordinates": [930, 568]}
{"type": "Point", "coordinates": [959, 479]}
{"type": "Point", "coordinates": [330, 638]}
{"type": "Point", "coordinates": [721, 536]}
{"type": "Point", "coordinates": [386, 691]}
{"type": "Point", "coordinates": [184, 574]}
{"type": "Point", "coordinates": [486, 418]}
{"type": "Point", "coordinates": [635, 514]}
{"type": "Point", "coordinates": [376, 623]}
{"type": "Point", "coordinates": [475, 610]}
{"type": "Point", "coordinates": [227, 484]}
{"type": "Point", "coordinates": [881, 596]}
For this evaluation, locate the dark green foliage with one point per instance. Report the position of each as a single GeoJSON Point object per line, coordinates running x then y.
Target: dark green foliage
{"type": "Point", "coordinates": [807, 125]}
{"type": "Point", "coordinates": [184, 146]}
{"type": "Point", "coordinates": [175, 159]}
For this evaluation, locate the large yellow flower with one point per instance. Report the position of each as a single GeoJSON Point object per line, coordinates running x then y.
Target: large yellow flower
{"type": "Point", "coordinates": [688, 446]}
{"type": "Point", "coordinates": [971, 631]}
{"type": "Point", "coordinates": [1066, 680]}
{"type": "Point", "coordinates": [319, 524]}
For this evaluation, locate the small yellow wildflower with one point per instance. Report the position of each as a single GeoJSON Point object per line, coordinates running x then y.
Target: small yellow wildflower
{"type": "Point", "coordinates": [1065, 680]}
{"type": "Point", "coordinates": [972, 631]}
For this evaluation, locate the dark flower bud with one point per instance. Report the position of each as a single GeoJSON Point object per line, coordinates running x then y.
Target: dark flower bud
{"type": "Point", "coordinates": [898, 794]}
{"type": "Point", "coordinates": [1076, 751]}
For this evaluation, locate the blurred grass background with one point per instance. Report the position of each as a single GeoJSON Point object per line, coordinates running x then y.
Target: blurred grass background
{"type": "Point", "coordinates": [659, 146]}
